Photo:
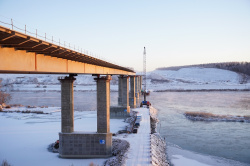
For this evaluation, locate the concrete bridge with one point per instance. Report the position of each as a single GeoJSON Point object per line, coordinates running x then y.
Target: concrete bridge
{"type": "Point", "coordinates": [20, 53]}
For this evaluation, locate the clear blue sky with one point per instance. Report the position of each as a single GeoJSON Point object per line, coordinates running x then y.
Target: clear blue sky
{"type": "Point", "coordinates": [174, 32]}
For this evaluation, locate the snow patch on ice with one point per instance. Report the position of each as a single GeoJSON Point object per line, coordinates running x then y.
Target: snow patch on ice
{"type": "Point", "coordinates": [180, 160]}
{"type": "Point", "coordinates": [180, 157]}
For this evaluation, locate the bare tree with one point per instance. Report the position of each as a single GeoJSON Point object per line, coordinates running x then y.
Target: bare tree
{"type": "Point", "coordinates": [4, 97]}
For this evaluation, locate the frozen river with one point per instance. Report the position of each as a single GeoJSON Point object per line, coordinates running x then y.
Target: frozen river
{"type": "Point", "coordinates": [226, 140]}
{"type": "Point", "coordinates": [230, 140]}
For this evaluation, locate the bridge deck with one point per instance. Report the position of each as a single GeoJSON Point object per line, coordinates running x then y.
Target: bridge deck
{"type": "Point", "coordinates": [15, 43]}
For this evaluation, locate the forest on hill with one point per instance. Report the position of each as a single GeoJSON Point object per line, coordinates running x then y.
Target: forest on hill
{"type": "Point", "coordinates": [239, 67]}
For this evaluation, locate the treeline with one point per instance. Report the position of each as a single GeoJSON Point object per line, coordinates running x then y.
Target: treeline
{"type": "Point", "coordinates": [239, 67]}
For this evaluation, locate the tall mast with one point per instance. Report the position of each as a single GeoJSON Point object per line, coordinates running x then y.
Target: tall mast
{"type": "Point", "coordinates": [144, 73]}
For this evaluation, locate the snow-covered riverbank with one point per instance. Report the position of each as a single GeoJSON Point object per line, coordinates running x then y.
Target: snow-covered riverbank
{"type": "Point", "coordinates": [184, 79]}
{"type": "Point", "coordinates": [26, 136]}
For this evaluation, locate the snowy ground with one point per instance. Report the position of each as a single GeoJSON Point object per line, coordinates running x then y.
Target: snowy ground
{"type": "Point", "coordinates": [195, 78]}
{"type": "Point", "coordinates": [24, 138]}
{"type": "Point", "coordinates": [181, 157]}
{"type": "Point", "coordinates": [139, 152]}
{"type": "Point", "coordinates": [192, 78]}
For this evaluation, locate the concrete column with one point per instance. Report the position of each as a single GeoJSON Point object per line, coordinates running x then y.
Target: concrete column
{"type": "Point", "coordinates": [136, 85]}
{"type": "Point", "coordinates": [103, 104]}
{"type": "Point", "coordinates": [140, 84]}
{"type": "Point", "coordinates": [120, 90]}
{"type": "Point", "coordinates": [132, 98]}
{"type": "Point", "coordinates": [123, 108]}
{"type": "Point", "coordinates": [67, 104]}
{"type": "Point", "coordinates": [125, 91]}
{"type": "Point", "coordinates": [137, 93]}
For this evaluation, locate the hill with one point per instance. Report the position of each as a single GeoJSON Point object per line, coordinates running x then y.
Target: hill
{"type": "Point", "coordinates": [196, 78]}
{"type": "Point", "coordinates": [239, 67]}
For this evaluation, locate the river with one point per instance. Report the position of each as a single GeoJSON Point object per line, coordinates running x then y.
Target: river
{"type": "Point", "coordinates": [230, 140]}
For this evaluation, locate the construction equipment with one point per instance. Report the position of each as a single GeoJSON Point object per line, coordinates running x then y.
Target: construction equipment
{"type": "Point", "coordinates": [145, 92]}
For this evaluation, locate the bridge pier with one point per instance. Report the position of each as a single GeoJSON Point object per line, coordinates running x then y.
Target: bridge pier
{"type": "Point", "coordinates": [67, 104]}
{"type": "Point", "coordinates": [138, 89]}
{"type": "Point", "coordinates": [81, 144]}
{"type": "Point", "coordinates": [137, 92]}
{"type": "Point", "coordinates": [123, 108]}
{"type": "Point", "coordinates": [140, 83]}
{"type": "Point", "coordinates": [103, 104]}
{"type": "Point", "coordinates": [132, 98]}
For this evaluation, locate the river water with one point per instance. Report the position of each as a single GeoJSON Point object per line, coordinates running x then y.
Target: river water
{"type": "Point", "coordinates": [230, 140]}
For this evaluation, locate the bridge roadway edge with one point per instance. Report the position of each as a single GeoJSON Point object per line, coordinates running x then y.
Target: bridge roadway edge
{"type": "Point", "coordinates": [24, 54]}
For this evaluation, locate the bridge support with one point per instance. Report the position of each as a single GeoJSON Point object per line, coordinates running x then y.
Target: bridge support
{"type": "Point", "coordinates": [80, 144]}
{"type": "Point", "coordinates": [137, 92]}
{"type": "Point", "coordinates": [132, 98]}
{"type": "Point", "coordinates": [120, 90]}
{"type": "Point", "coordinates": [140, 83]}
{"type": "Point", "coordinates": [123, 108]}
{"type": "Point", "coordinates": [67, 104]}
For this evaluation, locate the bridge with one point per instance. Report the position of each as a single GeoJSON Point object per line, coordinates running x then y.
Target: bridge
{"type": "Point", "coordinates": [21, 53]}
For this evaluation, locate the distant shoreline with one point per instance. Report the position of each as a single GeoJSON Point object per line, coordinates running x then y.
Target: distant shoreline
{"type": "Point", "coordinates": [202, 90]}
{"type": "Point", "coordinates": [166, 90]}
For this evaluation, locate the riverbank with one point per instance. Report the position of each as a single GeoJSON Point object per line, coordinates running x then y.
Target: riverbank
{"type": "Point", "coordinates": [34, 132]}
{"type": "Point", "coordinates": [25, 137]}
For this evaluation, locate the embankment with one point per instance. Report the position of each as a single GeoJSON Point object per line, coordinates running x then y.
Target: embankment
{"type": "Point", "coordinates": [158, 144]}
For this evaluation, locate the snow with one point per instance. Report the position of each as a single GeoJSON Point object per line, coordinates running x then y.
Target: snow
{"type": "Point", "coordinates": [25, 137]}
{"type": "Point", "coordinates": [195, 78]}
{"type": "Point", "coordinates": [192, 78]}
{"type": "Point", "coordinates": [158, 150]}
{"type": "Point", "coordinates": [195, 74]}
{"type": "Point", "coordinates": [45, 110]}
{"type": "Point", "coordinates": [180, 160]}
{"type": "Point", "coordinates": [180, 157]}
{"type": "Point", "coordinates": [139, 152]}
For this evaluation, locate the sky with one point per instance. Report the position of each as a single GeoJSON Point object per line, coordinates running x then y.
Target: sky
{"type": "Point", "coordinates": [174, 32]}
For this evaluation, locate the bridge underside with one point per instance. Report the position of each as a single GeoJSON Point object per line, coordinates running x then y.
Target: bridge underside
{"type": "Point", "coordinates": [20, 53]}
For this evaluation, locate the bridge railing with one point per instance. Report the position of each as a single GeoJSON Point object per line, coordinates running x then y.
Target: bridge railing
{"type": "Point", "coordinates": [16, 25]}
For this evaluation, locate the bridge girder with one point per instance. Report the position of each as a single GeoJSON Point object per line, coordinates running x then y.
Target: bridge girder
{"type": "Point", "coordinates": [20, 53]}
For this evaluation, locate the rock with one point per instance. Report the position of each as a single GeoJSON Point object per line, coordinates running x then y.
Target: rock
{"type": "Point", "coordinates": [7, 106]}
{"type": "Point", "coordinates": [31, 106]}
